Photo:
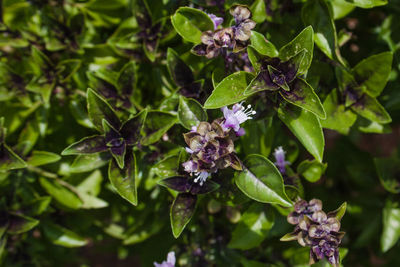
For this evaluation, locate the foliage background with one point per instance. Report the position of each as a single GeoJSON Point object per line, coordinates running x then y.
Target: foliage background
{"type": "Point", "coordinates": [52, 51]}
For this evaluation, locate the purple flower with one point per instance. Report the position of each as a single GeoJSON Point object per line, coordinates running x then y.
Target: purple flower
{"type": "Point", "coordinates": [279, 155]}
{"type": "Point", "coordinates": [211, 148]}
{"type": "Point", "coordinates": [236, 116]}
{"type": "Point", "coordinates": [169, 263]}
{"type": "Point", "coordinates": [216, 20]}
{"type": "Point", "coordinates": [189, 166]}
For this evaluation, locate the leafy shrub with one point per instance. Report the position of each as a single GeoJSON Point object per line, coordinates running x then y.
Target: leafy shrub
{"type": "Point", "coordinates": [210, 129]}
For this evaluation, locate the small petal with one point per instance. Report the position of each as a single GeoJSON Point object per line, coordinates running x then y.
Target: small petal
{"type": "Point", "coordinates": [189, 166]}
{"type": "Point", "coordinates": [207, 38]}
{"type": "Point", "coordinates": [216, 20]}
{"type": "Point", "coordinates": [240, 132]}
{"type": "Point", "coordinates": [224, 37]}
{"type": "Point", "coordinates": [240, 13]}
{"type": "Point", "coordinates": [171, 258]}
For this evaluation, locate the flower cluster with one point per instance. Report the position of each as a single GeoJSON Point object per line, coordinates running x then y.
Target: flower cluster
{"type": "Point", "coordinates": [211, 145]}
{"type": "Point", "coordinates": [211, 148]}
{"type": "Point", "coordinates": [233, 38]}
{"type": "Point", "coordinates": [316, 229]}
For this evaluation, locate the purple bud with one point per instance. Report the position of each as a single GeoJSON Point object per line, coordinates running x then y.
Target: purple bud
{"type": "Point", "coordinates": [281, 163]}
{"type": "Point", "coordinates": [240, 132]}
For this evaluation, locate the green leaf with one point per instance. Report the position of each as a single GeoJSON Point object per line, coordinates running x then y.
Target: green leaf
{"type": "Point", "coordinates": [289, 237]}
{"type": "Point", "coordinates": [305, 40]}
{"type": "Point", "coordinates": [369, 108]}
{"type": "Point", "coordinates": [144, 232]}
{"type": "Point", "coordinates": [302, 95]}
{"type": "Point", "coordinates": [40, 59]}
{"type": "Point", "coordinates": [253, 227]}
{"type": "Point", "coordinates": [251, 263]}
{"type": "Point", "coordinates": [3, 131]}
{"type": "Point", "coordinates": [91, 202]}
{"type": "Point", "coordinates": [338, 117]}
{"type": "Point", "coordinates": [190, 23]}
{"type": "Point", "coordinates": [3, 243]}
{"type": "Point", "coordinates": [150, 50]}
{"type": "Point", "coordinates": [87, 145]}
{"type": "Point", "coordinates": [16, 14]}
{"type": "Point", "coordinates": [28, 138]}
{"type": "Point", "coordinates": [92, 184]}
{"type": "Point", "coordinates": [61, 236]}
{"type": "Point", "coordinates": [60, 193]}
{"type": "Point", "coordinates": [44, 88]}
{"type": "Point", "coordinates": [124, 180]}
{"type": "Point", "coordinates": [132, 128]}
{"type": "Point", "coordinates": [104, 80]}
{"type": "Point", "coordinates": [99, 109]}
{"type": "Point", "coordinates": [89, 162]}
{"type": "Point", "coordinates": [39, 158]}
{"type": "Point", "coordinates": [179, 71]}
{"type": "Point", "coordinates": [391, 226]}
{"type": "Point", "coordinates": [37, 206]}
{"type": "Point", "coordinates": [388, 170]}
{"type": "Point", "coordinates": [311, 170]}
{"type": "Point", "coordinates": [230, 90]}
{"type": "Point", "coordinates": [78, 110]}
{"type": "Point", "coordinates": [254, 58]}
{"type": "Point", "coordinates": [167, 167]}
{"type": "Point", "coordinates": [259, 137]}
{"type": "Point", "coordinates": [156, 125]}
{"type": "Point", "coordinates": [306, 127]}
{"type": "Point", "coordinates": [9, 160]}
{"type": "Point", "coordinates": [258, 11]}
{"type": "Point", "coordinates": [339, 212]}
{"type": "Point", "coordinates": [373, 72]}
{"type": "Point", "coordinates": [182, 211]}
{"type": "Point", "coordinates": [190, 112]}
{"type": "Point", "coordinates": [19, 224]}
{"type": "Point", "coordinates": [341, 8]}
{"type": "Point", "coordinates": [3, 224]}
{"type": "Point", "coordinates": [367, 3]}
{"type": "Point", "coordinates": [88, 189]}
{"type": "Point", "coordinates": [126, 81]}
{"type": "Point", "coordinates": [367, 126]}
{"type": "Point", "coordinates": [318, 13]}
{"type": "Point", "coordinates": [262, 45]}
{"type": "Point", "coordinates": [260, 180]}
{"type": "Point", "coordinates": [67, 68]}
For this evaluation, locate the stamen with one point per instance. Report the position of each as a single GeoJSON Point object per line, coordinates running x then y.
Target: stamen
{"type": "Point", "coordinates": [201, 177]}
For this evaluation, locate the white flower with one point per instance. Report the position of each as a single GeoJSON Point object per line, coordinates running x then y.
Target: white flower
{"type": "Point", "coordinates": [170, 261]}
{"type": "Point", "coordinates": [201, 177]}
